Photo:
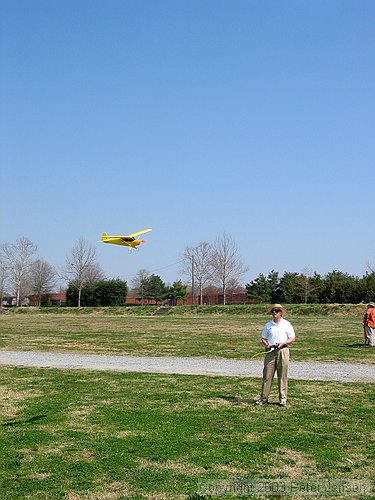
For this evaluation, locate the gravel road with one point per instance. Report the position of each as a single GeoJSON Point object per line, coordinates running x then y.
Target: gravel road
{"type": "Point", "coordinates": [301, 370]}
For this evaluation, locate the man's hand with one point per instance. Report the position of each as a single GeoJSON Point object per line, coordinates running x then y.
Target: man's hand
{"type": "Point", "coordinates": [272, 347]}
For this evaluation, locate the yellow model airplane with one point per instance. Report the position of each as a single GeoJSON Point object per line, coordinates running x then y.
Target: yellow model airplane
{"type": "Point", "coordinates": [129, 240]}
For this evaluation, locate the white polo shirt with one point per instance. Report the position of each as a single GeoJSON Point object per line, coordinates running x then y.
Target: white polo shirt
{"type": "Point", "coordinates": [278, 334]}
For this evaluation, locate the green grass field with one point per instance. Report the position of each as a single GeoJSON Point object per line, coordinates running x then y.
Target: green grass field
{"type": "Point", "coordinates": [322, 337]}
{"type": "Point", "coordinates": [80, 435]}
{"type": "Point", "coordinates": [92, 435]}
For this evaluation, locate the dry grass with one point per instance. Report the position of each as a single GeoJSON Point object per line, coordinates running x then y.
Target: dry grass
{"type": "Point", "coordinates": [11, 401]}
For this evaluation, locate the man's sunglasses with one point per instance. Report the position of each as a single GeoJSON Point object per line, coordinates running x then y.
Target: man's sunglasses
{"type": "Point", "coordinates": [275, 310]}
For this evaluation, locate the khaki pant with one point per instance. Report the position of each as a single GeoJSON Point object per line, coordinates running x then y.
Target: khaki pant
{"type": "Point", "coordinates": [276, 361]}
{"type": "Point", "coordinates": [370, 336]}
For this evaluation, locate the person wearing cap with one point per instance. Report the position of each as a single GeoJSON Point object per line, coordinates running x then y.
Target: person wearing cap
{"type": "Point", "coordinates": [276, 337]}
{"type": "Point", "coordinates": [369, 325]}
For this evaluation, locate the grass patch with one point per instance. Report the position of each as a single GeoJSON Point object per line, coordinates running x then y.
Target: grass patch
{"type": "Point", "coordinates": [320, 337]}
{"type": "Point", "coordinates": [91, 435]}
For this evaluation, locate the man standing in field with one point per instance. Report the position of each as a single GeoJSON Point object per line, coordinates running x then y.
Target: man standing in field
{"type": "Point", "coordinates": [369, 325]}
{"type": "Point", "coordinates": [276, 337]}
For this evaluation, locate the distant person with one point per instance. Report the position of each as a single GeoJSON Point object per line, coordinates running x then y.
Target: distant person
{"type": "Point", "coordinates": [369, 325]}
{"type": "Point", "coordinates": [276, 337]}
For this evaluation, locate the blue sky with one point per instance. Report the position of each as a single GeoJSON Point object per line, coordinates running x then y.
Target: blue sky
{"type": "Point", "coordinates": [195, 118]}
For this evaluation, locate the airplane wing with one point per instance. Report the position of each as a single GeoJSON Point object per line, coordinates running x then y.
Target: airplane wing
{"type": "Point", "coordinates": [139, 232]}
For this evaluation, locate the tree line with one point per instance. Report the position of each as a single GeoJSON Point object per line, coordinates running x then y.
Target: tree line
{"type": "Point", "coordinates": [205, 266]}
{"type": "Point", "coordinates": [113, 292]}
{"type": "Point", "coordinates": [22, 273]}
{"type": "Point", "coordinates": [307, 287]}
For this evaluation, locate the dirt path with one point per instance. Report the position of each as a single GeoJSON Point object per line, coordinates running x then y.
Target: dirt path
{"type": "Point", "coordinates": [342, 372]}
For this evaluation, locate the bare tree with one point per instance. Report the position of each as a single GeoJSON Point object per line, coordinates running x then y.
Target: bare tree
{"type": "Point", "coordinates": [18, 261]}
{"type": "Point", "coordinates": [3, 277]}
{"type": "Point", "coordinates": [226, 264]}
{"type": "Point", "coordinates": [306, 283]}
{"type": "Point", "coordinates": [81, 265]}
{"type": "Point", "coordinates": [196, 263]}
{"type": "Point", "coordinates": [42, 279]}
{"type": "Point", "coordinates": [139, 281]}
{"type": "Point", "coordinates": [95, 272]}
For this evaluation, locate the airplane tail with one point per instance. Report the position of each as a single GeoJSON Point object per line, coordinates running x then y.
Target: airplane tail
{"type": "Point", "coordinates": [104, 236]}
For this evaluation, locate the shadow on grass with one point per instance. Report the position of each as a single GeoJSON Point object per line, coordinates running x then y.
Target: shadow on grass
{"type": "Point", "coordinates": [23, 421]}
{"type": "Point", "coordinates": [238, 401]}
{"type": "Point", "coordinates": [357, 344]}
{"type": "Point", "coordinates": [243, 401]}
